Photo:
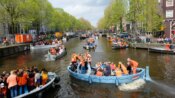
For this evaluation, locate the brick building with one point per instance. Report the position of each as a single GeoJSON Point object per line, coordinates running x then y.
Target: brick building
{"type": "Point", "coordinates": [168, 7]}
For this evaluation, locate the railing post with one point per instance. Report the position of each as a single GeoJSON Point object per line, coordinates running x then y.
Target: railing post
{"type": "Point", "coordinates": [147, 76]}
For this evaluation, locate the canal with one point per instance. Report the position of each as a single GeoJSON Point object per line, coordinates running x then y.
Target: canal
{"type": "Point", "coordinates": [162, 71]}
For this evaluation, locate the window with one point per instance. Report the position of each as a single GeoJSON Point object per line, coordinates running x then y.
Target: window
{"type": "Point", "coordinates": [169, 13]}
{"type": "Point", "coordinates": [169, 3]}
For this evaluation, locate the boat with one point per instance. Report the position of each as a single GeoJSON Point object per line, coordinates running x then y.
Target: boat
{"type": "Point", "coordinates": [162, 50]}
{"type": "Point", "coordinates": [119, 47]}
{"type": "Point", "coordinates": [51, 57]}
{"type": "Point", "coordinates": [104, 35]}
{"type": "Point", "coordinates": [53, 80]}
{"type": "Point", "coordinates": [43, 46]}
{"type": "Point", "coordinates": [89, 47]}
{"type": "Point", "coordinates": [124, 79]}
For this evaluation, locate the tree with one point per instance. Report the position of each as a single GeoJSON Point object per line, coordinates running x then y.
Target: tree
{"type": "Point", "coordinates": [38, 15]}
{"type": "Point", "coordinates": [114, 14]}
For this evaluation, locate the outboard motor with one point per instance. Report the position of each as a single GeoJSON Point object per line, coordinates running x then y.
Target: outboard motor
{"type": "Point", "coordinates": [57, 80]}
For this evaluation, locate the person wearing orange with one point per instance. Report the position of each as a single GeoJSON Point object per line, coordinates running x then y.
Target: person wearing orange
{"type": "Point", "coordinates": [118, 72]}
{"type": "Point", "coordinates": [167, 46]}
{"type": "Point", "coordinates": [134, 64]}
{"type": "Point", "coordinates": [124, 69]}
{"type": "Point", "coordinates": [73, 62]}
{"type": "Point", "coordinates": [22, 81]}
{"type": "Point", "coordinates": [44, 76]}
{"type": "Point", "coordinates": [12, 84]}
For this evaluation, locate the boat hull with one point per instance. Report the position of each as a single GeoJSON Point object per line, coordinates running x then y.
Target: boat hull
{"type": "Point", "coordinates": [52, 76]}
{"type": "Point", "coordinates": [108, 79]}
{"type": "Point", "coordinates": [55, 57]}
{"type": "Point", "coordinates": [161, 50]}
{"type": "Point", "coordinates": [42, 46]}
{"type": "Point", "coordinates": [89, 47]}
{"type": "Point", "coordinates": [119, 47]}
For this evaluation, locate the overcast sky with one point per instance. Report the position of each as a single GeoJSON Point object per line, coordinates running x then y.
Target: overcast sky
{"type": "Point", "coordinates": [92, 10]}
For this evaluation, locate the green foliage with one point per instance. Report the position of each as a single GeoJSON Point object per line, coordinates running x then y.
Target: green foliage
{"type": "Point", "coordinates": [32, 14]}
{"type": "Point", "coordinates": [143, 14]}
{"type": "Point", "coordinates": [113, 14]}
{"type": "Point", "coordinates": [147, 13]}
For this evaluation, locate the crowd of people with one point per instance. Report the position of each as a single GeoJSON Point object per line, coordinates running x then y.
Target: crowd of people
{"type": "Point", "coordinates": [57, 50]}
{"type": "Point", "coordinates": [164, 40]}
{"type": "Point", "coordinates": [118, 41]}
{"type": "Point", "coordinates": [80, 63]}
{"type": "Point", "coordinates": [48, 42]}
{"type": "Point", "coordinates": [91, 42]}
{"type": "Point", "coordinates": [21, 81]}
{"type": "Point", "coordinates": [111, 69]}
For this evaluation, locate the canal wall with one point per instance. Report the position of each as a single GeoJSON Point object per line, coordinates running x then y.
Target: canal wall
{"type": "Point", "coordinates": [13, 49]}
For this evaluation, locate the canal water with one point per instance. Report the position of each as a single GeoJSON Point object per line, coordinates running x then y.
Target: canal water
{"type": "Point", "coordinates": [162, 71]}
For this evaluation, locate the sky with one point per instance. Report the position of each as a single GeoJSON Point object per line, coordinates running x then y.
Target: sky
{"type": "Point", "coordinates": [91, 10]}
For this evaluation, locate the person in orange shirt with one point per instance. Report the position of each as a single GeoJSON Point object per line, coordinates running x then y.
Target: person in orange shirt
{"type": "Point", "coordinates": [22, 81]}
{"type": "Point", "coordinates": [12, 84]}
{"type": "Point", "coordinates": [44, 75]}
{"type": "Point", "coordinates": [118, 72]}
{"type": "Point", "coordinates": [123, 68]}
{"type": "Point", "coordinates": [167, 46]}
{"type": "Point", "coordinates": [134, 64]}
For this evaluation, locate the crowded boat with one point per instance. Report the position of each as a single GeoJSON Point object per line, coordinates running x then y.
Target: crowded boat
{"type": "Point", "coordinates": [84, 36]}
{"type": "Point", "coordinates": [24, 82]}
{"type": "Point", "coordinates": [90, 44]}
{"type": "Point", "coordinates": [167, 49]}
{"type": "Point", "coordinates": [46, 44]}
{"type": "Point", "coordinates": [55, 53]}
{"type": "Point", "coordinates": [118, 43]}
{"type": "Point", "coordinates": [104, 72]}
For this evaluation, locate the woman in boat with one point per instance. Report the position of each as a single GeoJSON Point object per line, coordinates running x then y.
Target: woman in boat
{"type": "Point", "coordinates": [74, 62]}
{"type": "Point", "coordinates": [22, 81]}
{"type": "Point", "coordinates": [88, 57]}
{"type": "Point", "coordinates": [167, 46]}
{"type": "Point", "coordinates": [134, 64]}
{"type": "Point", "coordinates": [37, 78]}
{"type": "Point", "coordinates": [44, 75]}
{"type": "Point", "coordinates": [107, 70]}
{"type": "Point", "coordinates": [99, 72]}
{"type": "Point", "coordinates": [123, 68]}
{"type": "Point", "coordinates": [12, 84]}
{"type": "Point", "coordinates": [31, 79]}
{"type": "Point", "coordinates": [118, 72]}
{"type": "Point", "coordinates": [82, 67]}
{"type": "Point", "coordinates": [113, 67]}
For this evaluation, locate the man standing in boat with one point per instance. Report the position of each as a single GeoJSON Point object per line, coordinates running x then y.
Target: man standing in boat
{"type": "Point", "coordinates": [134, 64]}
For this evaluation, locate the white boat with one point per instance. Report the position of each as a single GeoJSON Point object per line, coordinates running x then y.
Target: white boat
{"type": "Point", "coordinates": [43, 46]}
{"type": "Point", "coordinates": [53, 78]}
{"type": "Point", "coordinates": [51, 57]}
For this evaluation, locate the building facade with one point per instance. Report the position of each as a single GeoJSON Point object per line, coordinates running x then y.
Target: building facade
{"type": "Point", "coordinates": [168, 7]}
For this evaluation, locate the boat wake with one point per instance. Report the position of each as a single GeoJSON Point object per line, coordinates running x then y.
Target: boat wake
{"type": "Point", "coordinates": [132, 86]}
{"type": "Point", "coordinates": [164, 88]}
{"type": "Point", "coordinates": [48, 58]}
